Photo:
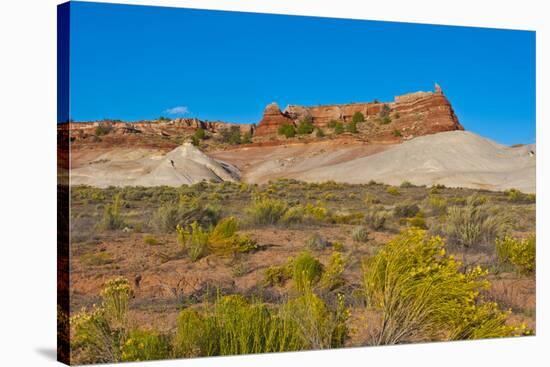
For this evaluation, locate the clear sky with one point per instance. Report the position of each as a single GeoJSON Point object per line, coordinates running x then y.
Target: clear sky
{"type": "Point", "coordinates": [139, 62]}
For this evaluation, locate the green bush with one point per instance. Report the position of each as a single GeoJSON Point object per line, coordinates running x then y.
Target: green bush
{"type": "Point", "coordinates": [316, 326]}
{"type": "Point", "coordinates": [197, 242]}
{"type": "Point", "coordinates": [384, 114]}
{"type": "Point", "coordinates": [222, 239]}
{"type": "Point", "coordinates": [145, 345]}
{"type": "Point", "coordinates": [397, 133]}
{"type": "Point", "coordinates": [521, 253]}
{"type": "Point", "coordinates": [319, 133]}
{"type": "Point", "coordinates": [231, 135]}
{"type": "Point", "coordinates": [339, 128]}
{"type": "Point", "coordinates": [287, 130]}
{"type": "Point", "coordinates": [423, 294]}
{"type": "Point", "coordinates": [277, 275]}
{"type": "Point", "coordinates": [266, 211]}
{"type": "Point", "coordinates": [360, 234]}
{"type": "Point", "coordinates": [103, 129]}
{"type": "Point", "coordinates": [306, 271]}
{"type": "Point", "coordinates": [333, 276]}
{"type": "Point", "coordinates": [358, 117]}
{"type": "Point", "coordinates": [305, 126]}
{"type": "Point", "coordinates": [112, 218]}
{"type": "Point", "coordinates": [247, 138]}
{"type": "Point", "coordinates": [352, 127]}
{"type": "Point", "coordinates": [200, 134]}
{"type": "Point", "coordinates": [234, 326]}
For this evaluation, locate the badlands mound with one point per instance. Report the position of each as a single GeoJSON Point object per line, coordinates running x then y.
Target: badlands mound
{"type": "Point", "coordinates": [454, 158]}
{"type": "Point", "coordinates": [142, 167]}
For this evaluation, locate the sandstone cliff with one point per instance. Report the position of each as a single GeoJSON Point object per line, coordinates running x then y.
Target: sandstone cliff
{"type": "Point", "coordinates": [412, 114]}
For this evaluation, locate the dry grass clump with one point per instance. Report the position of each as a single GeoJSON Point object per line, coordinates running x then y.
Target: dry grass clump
{"type": "Point", "coordinates": [97, 258]}
{"type": "Point", "coordinates": [360, 234]}
{"type": "Point", "coordinates": [423, 294]}
{"type": "Point", "coordinates": [521, 253]}
{"type": "Point", "coordinates": [474, 225]}
{"type": "Point", "coordinates": [183, 213]}
{"type": "Point", "coordinates": [376, 218]}
{"type": "Point", "coordinates": [317, 242]}
{"type": "Point", "coordinates": [112, 218]}
{"type": "Point", "coordinates": [222, 239]}
{"type": "Point", "coordinates": [266, 211]}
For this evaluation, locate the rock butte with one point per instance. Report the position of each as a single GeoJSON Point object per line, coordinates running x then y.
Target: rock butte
{"type": "Point", "coordinates": [413, 114]}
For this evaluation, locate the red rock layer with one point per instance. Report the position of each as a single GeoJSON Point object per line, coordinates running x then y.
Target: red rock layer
{"type": "Point", "coordinates": [271, 121]}
{"type": "Point", "coordinates": [414, 114]}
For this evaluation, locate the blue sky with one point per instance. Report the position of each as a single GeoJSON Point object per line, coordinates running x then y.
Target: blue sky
{"type": "Point", "coordinates": [139, 62]}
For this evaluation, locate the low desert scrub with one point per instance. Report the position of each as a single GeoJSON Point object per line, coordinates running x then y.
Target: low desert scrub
{"type": "Point", "coordinates": [234, 325]}
{"type": "Point", "coordinates": [97, 258]}
{"type": "Point", "coordinates": [96, 335]}
{"type": "Point", "coordinates": [392, 190]}
{"type": "Point", "coordinates": [305, 126]}
{"type": "Point", "coordinates": [360, 234]}
{"type": "Point", "coordinates": [145, 345]}
{"type": "Point", "coordinates": [151, 240]}
{"type": "Point", "coordinates": [418, 221]}
{"type": "Point", "coordinates": [287, 130]}
{"type": "Point", "coordinates": [222, 239]}
{"type": "Point", "coordinates": [406, 210]}
{"type": "Point", "coordinates": [371, 199]}
{"type": "Point", "coordinates": [516, 196]}
{"type": "Point", "coordinates": [332, 277]}
{"type": "Point", "coordinates": [347, 217]}
{"type": "Point", "coordinates": [277, 275]}
{"type": "Point", "coordinates": [423, 294]}
{"type": "Point", "coordinates": [376, 218]}
{"type": "Point", "coordinates": [170, 215]}
{"type": "Point", "coordinates": [438, 205]}
{"type": "Point", "coordinates": [266, 211]}
{"type": "Point", "coordinates": [473, 225]}
{"type": "Point", "coordinates": [112, 218]}
{"type": "Point", "coordinates": [520, 253]}
{"type": "Point", "coordinates": [306, 271]}
{"type": "Point", "coordinates": [317, 242]}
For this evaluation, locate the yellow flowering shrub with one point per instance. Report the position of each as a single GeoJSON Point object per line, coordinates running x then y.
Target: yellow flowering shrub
{"type": "Point", "coordinates": [144, 345]}
{"type": "Point", "coordinates": [423, 294]}
{"type": "Point", "coordinates": [521, 253]}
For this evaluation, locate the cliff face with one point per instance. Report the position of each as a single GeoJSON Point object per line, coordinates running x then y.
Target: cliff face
{"type": "Point", "coordinates": [271, 121]}
{"type": "Point", "coordinates": [413, 114]}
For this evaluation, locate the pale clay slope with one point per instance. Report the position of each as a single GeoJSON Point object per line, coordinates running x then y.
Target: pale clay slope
{"type": "Point", "coordinates": [456, 159]}
{"type": "Point", "coordinates": [153, 169]}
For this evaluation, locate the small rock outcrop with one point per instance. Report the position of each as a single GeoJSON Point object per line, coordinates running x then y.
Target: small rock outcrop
{"type": "Point", "coordinates": [272, 119]}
